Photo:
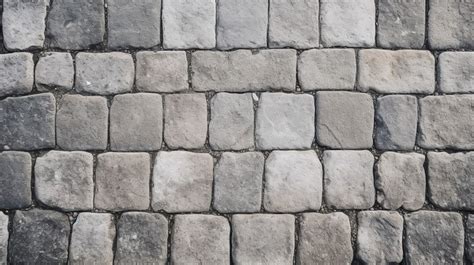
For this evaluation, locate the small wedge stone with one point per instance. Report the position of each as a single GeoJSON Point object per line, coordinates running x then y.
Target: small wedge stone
{"type": "Point", "coordinates": [456, 72]}
{"type": "Point", "coordinates": [16, 73]}
{"type": "Point", "coordinates": [470, 237]}
{"type": "Point", "coordinates": [3, 238]}
{"type": "Point", "coordinates": [15, 180]}
{"type": "Point", "coordinates": [54, 70]}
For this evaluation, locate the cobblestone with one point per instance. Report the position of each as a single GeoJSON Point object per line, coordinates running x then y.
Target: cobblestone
{"type": "Point", "coordinates": [15, 180]}
{"type": "Point", "coordinates": [456, 72]}
{"type": "Point", "coordinates": [3, 238]}
{"type": "Point", "coordinates": [54, 71]}
{"type": "Point", "coordinates": [16, 73]}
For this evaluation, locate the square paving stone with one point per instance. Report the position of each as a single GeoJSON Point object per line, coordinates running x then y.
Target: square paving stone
{"type": "Point", "coordinates": [182, 182]}
{"type": "Point", "coordinates": [65, 180]}
{"type": "Point", "coordinates": [293, 181]}
{"type": "Point", "coordinates": [456, 72]}
{"type": "Point", "coordinates": [54, 70]}
{"type": "Point", "coordinates": [470, 237]}
{"type": "Point", "coordinates": [238, 181]}
{"type": "Point", "coordinates": [200, 239]}
{"type": "Point", "coordinates": [16, 73]}
{"type": "Point", "coordinates": [15, 180]}
{"type": "Point", "coordinates": [3, 238]}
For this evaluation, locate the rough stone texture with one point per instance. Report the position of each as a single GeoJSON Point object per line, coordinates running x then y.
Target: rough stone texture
{"type": "Point", "coordinates": [284, 121]}
{"type": "Point", "coordinates": [104, 73]}
{"type": "Point", "coordinates": [92, 239]}
{"type": "Point", "coordinates": [446, 122]}
{"type": "Point", "coordinates": [15, 180]}
{"type": "Point", "coordinates": [348, 179]}
{"type": "Point", "coordinates": [43, 234]}
{"type": "Point", "coordinates": [200, 239]}
{"type": "Point", "coordinates": [54, 70]}
{"type": "Point", "coordinates": [81, 123]}
{"type": "Point", "coordinates": [182, 182]}
{"type": "Point", "coordinates": [263, 239]}
{"type": "Point", "coordinates": [16, 73]}
{"type": "Point", "coordinates": [456, 72]}
{"type": "Point", "coordinates": [162, 72]}
{"type": "Point", "coordinates": [27, 123]}
{"type": "Point", "coordinates": [189, 24]}
{"type": "Point", "coordinates": [242, 70]}
{"type": "Point", "coordinates": [402, 71]}
{"type": "Point", "coordinates": [451, 180]}
{"type": "Point", "coordinates": [136, 122]}
{"type": "Point", "coordinates": [232, 122]}
{"type": "Point", "coordinates": [238, 182]}
{"type": "Point", "coordinates": [133, 23]}
{"type": "Point", "coordinates": [75, 24]}
{"type": "Point", "coordinates": [470, 237]}
{"type": "Point", "coordinates": [3, 238]}
{"type": "Point", "coordinates": [335, 116]}
{"type": "Point", "coordinates": [347, 23]}
{"type": "Point", "coordinates": [293, 181]}
{"type": "Point", "coordinates": [141, 239]}
{"type": "Point", "coordinates": [434, 238]}
{"type": "Point", "coordinates": [333, 69]}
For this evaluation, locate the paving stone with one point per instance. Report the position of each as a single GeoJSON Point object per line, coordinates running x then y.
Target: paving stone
{"type": "Point", "coordinates": [104, 73]}
{"type": "Point", "coordinates": [200, 239]}
{"type": "Point", "coordinates": [336, 113]}
{"type": "Point", "coordinates": [402, 71]}
{"type": "Point", "coordinates": [122, 181]}
{"type": "Point", "coordinates": [456, 72]}
{"type": "Point", "coordinates": [65, 180]}
{"type": "Point", "coordinates": [182, 182]}
{"type": "Point", "coordinates": [284, 121]}
{"type": "Point", "coordinates": [232, 122]}
{"type": "Point", "coordinates": [43, 234]}
{"type": "Point", "coordinates": [54, 70]}
{"type": "Point", "coordinates": [470, 237]}
{"type": "Point", "coordinates": [185, 121]}
{"type": "Point", "coordinates": [76, 25]}
{"type": "Point", "coordinates": [136, 122]}
{"type": "Point", "coordinates": [27, 123]}
{"type": "Point", "coordinates": [348, 179]}
{"type": "Point", "coordinates": [242, 24]}
{"type": "Point", "coordinates": [293, 181]}
{"type": "Point", "coordinates": [92, 239]}
{"type": "Point", "coordinates": [263, 239]}
{"type": "Point", "coordinates": [437, 130]}
{"type": "Point", "coordinates": [396, 122]}
{"type": "Point", "coordinates": [401, 24]}
{"type": "Point", "coordinates": [189, 24]}
{"type": "Point", "coordinates": [141, 238]}
{"type": "Point", "coordinates": [133, 23]}
{"type": "Point", "coordinates": [333, 69]}
{"type": "Point", "coordinates": [379, 237]}
{"type": "Point", "coordinates": [16, 73]}
{"type": "Point", "coordinates": [347, 23]}
{"type": "Point", "coordinates": [238, 181]}
{"type": "Point", "coordinates": [434, 238]}
{"type": "Point", "coordinates": [3, 238]}
{"type": "Point", "coordinates": [24, 23]}
{"type": "Point", "coordinates": [81, 123]}
{"type": "Point", "coordinates": [162, 71]}
{"type": "Point", "coordinates": [15, 180]}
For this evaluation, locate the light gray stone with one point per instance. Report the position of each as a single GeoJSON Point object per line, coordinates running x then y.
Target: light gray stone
{"type": "Point", "coordinates": [238, 181]}
{"type": "Point", "coordinates": [402, 71]}
{"type": "Point", "coordinates": [3, 238]}
{"type": "Point", "coordinates": [456, 72]}
{"type": "Point", "coordinates": [182, 182]}
{"type": "Point", "coordinates": [284, 121]}
{"type": "Point", "coordinates": [470, 237]}
{"type": "Point", "coordinates": [16, 73]}
{"type": "Point", "coordinates": [122, 181]}
{"type": "Point", "coordinates": [200, 239]}
{"type": "Point", "coordinates": [54, 70]}
{"type": "Point", "coordinates": [15, 180]}
{"type": "Point", "coordinates": [263, 239]}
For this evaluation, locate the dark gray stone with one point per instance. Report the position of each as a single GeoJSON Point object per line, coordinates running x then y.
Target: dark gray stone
{"type": "Point", "coordinates": [470, 237]}
{"type": "Point", "coordinates": [15, 180]}
{"type": "Point", "coordinates": [3, 238]}
{"type": "Point", "coordinates": [16, 73]}
{"type": "Point", "coordinates": [54, 70]}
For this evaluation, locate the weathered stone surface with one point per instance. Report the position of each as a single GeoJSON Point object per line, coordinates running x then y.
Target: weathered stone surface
{"type": "Point", "coordinates": [136, 122]}
{"type": "Point", "coordinates": [122, 181]}
{"type": "Point", "coordinates": [182, 182]}
{"type": "Point", "coordinates": [54, 70]}
{"type": "Point", "coordinates": [348, 179]}
{"type": "Point", "coordinates": [3, 238]}
{"type": "Point", "coordinates": [434, 238]}
{"type": "Point", "coordinates": [185, 121]}
{"type": "Point", "coordinates": [65, 180]}
{"type": "Point", "coordinates": [141, 238]}
{"type": "Point", "coordinates": [402, 71]}
{"type": "Point", "coordinates": [263, 239]}
{"type": "Point", "coordinates": [470, 237]}
{"type": "Point", "coordinates": [238, 181]}
{"type": "Point", "coordinates": [336, 113]}
{"type": "Point", "coordinates": [16, 73]}
{"type": "Point", "coordinates": [43, 234]}
{"type": "Point", "coordinates": [333, 69]}
{"type": "Point", "coordinates": [456, 72]}
{"type": "Point", "coordinates": [27, 123]}
{"type": "Point", "coordinates": [92, 239]}
{"type": "Point", "coordinates": [189, 24]}
{"type": "Point", "coordinates": [15, 180]}
{"type": "Point", "coordinates": [284, 121]}
{"type": "Point", "coordinates": [446, 122]}
{"type": "Point", "coordinates": [293, 181]}
{"type": "Point", "coordinates": [133, 23]}
{"type": "Point", "coordinates": [81, 123]}
{"type": "Point", "coordinates": [242, 70]}
{"type": "Point", "coordinates": [104, 73]}
{"type": "Point", "coordinates": [162, 71]}
{"type": "Point", "coordinates": [200, 239]}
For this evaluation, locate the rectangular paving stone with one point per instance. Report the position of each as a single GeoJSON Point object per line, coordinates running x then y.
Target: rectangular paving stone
{"type": "Point", "coordinates": [55, 70]}
{"type": "Point", "coordinates": [15, 180]}
{"type": "Point", "coordinates": [470, 237]}
{"type": "Point", "coordinates": [456, 72]}
{"type": "Point", "coordinates": [3, 238]}
{"type": "Point", "coordinates": [16, 73]}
